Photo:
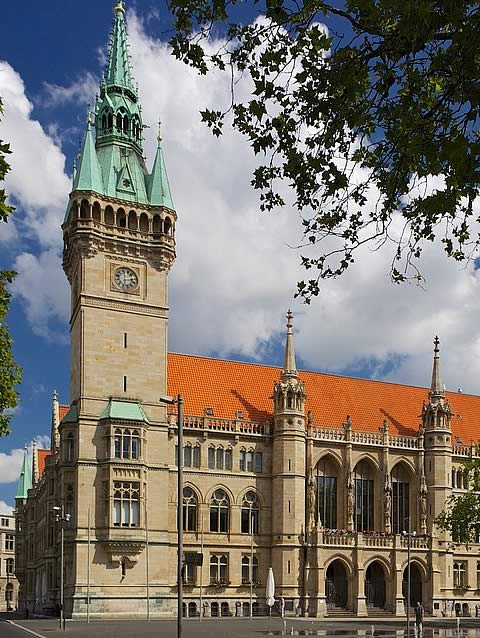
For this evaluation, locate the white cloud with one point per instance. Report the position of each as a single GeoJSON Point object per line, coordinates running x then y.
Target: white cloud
{"type": "Point", "coordinates": [235, 275]}
{"type": "Point", "coordinates": [5, 508]}
{"type": "Point", "coordinates": [44, 290]}
{"type": "Point", "coordinates": [81, 91]}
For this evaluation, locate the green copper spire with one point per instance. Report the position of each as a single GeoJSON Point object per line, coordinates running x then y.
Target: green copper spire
{"type": "Point", "coordinates": [25, 479]}
{"type": "Point", "coordinates": [158, 187]}
{"type": "Point", "coordinates": [118, 71]}
{"type": "Point", "coordinates": [112, 163]}
{"type": "Point", "coordinates": [88, 175]}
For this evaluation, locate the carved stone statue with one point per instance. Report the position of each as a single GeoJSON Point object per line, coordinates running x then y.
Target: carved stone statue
{"type": "Point", "coordinates": [311, 501]}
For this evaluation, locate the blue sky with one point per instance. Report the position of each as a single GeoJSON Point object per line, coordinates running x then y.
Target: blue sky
{"type": "Point", "coordinates": [235, 274]}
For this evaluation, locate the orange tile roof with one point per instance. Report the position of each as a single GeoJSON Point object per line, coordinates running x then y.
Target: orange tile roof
{"type": "Point", "coordinates": [231, 386]}
{"type": "Point", "coordinates": [42, 455]}
{"type": "Point", "coordinates": [63, 409]}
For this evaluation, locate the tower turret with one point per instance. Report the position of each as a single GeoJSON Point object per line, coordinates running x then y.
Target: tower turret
{"type": "Point", "coordinates": [289, 472]}
{"type": "Point", "coordinates": [436, 423]}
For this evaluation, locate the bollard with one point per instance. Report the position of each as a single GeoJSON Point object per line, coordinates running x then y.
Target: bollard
{"type": "Point", "coordinates": [372, 630]}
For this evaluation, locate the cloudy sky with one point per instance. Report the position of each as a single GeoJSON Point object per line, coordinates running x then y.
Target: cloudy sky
{"type": "Point", "coordinates": [235, 273]}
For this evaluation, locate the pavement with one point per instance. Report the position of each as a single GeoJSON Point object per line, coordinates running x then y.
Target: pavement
{"type": "Point", "coordinates": [16, 627]}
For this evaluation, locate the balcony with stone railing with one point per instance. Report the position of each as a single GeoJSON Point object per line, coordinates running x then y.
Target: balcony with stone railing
{"type": "Point", "coordinates": [214, 424]}
{"type": "Point", "coordinates": [342, 538]}
{"type": "Point", "coordinates": [378, 439]}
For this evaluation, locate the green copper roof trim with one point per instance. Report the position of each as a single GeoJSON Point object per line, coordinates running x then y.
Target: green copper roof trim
{"type": "Point", "coordinates": [159, 193]}
{"type": "Point", "coordinates": [118, 71]}
{"type": "Point", "coordinates": [71, 416]}
{"type": "Point", "coordinates": [88, 176]}
{"type": "Point", "coordinates": [25, 479]}
{"type": "Point", "coordinates": [124, 410]}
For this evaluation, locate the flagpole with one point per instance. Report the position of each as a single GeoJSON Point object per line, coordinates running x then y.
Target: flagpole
{"type": "Point", "coordinates": [201, 567]}
{"type": "Point", "coordinates": [88, 568]}
{"type": "Point", "coordinates": [147, 555]}
{"type": "Point", "coordinates": [251, 564]}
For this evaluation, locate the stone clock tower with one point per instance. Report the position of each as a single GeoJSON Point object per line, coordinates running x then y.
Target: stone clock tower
{"type": "Point", "coordinates": [119, 245]}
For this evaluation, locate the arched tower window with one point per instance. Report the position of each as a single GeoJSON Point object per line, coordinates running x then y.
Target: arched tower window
{"type": "Point", "coordinates": [144, 223]}
{"type": "Point", "coordinates": [125, 124]}
{"type": "Point", "coordinates": [219, 512]}
{"type": "Point", "coordinates": [250, 513]}
{"type": "Point", "coordinates": [157, 224]}
{"type": "Point", "coordinates": [189, 510]}
{"type": "Point", "coordinates": [167, 226]}
{"type": "Point", "coordinates": [119, 121]}
{"type": "Point", "coordinates": [109, 216]}
{"type": "Point", "coordinates": [121, 218]}
{"type": "Point", "coordinates": [400, 498]}
{"type": "Point", "coordinates": [96, 212]}
{"type": "Point", "coordinates": [364, 497]}
{"type": "Point", "coordinates": [110, 122]}
{"type": "Point", "coordinates": [132, 220]}
{"type": "Point", "coordinates": [327, 474]}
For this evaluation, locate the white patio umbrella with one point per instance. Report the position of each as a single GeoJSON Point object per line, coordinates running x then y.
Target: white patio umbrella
{"type": "Point", "coordinates": [270, 593]}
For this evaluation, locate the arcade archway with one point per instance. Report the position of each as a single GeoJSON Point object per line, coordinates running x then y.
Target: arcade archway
{"type": "Point", "coordinates": [375, 586]}
{"type": "Point", "coordinates": [336, 586]}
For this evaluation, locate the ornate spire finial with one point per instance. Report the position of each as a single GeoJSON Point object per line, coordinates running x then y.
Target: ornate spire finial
{"type": "Point", "coordinates": [436, 388]}
{"type": "Point", "coordinates": [119, 8]}
{"type": "Point", "coordinates": [55, 395]}
{"type": "Point", "coordinates": [289, 365]}
{"type": "Point", "coordinates": [159, 136]}
{"type": "Point", "coordinates": [89, 117]}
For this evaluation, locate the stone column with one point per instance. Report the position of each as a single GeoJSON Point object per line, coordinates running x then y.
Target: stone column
{"type": "Point", "coordinates": [321, 602]}
{"type": "Point", "coordinates": [361, 606]}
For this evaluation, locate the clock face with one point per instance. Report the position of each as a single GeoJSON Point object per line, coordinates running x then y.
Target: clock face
{"type": "Point", "coordinates": [125, 279]}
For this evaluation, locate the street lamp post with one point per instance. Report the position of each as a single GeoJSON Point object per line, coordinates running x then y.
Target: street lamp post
{"type": "Point", "coordinates": [62, 518]}
{"type": "Point", "coordinates": [408, 535]}
{"type": "Point", "coordinates": [179, 402]}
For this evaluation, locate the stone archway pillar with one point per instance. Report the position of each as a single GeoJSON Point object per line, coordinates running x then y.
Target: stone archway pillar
{"type": "Point", "coordinates": [361, 606]}
{"type": "Point", "coordinates": [399, 608]}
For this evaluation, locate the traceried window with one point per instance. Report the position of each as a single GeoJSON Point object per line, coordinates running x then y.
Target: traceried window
{"type": "Point", "coordinates": [127, 443]}
{"type": "Point", "coordinates": [219, 458]}
{"type": "Point", "coordinates": [459, 574]}
{"type": "Point", "coordinates": [249, 573]}
{"type": "Point", "coordinates": [327, 493]}
{"type": "Point", "coordinates": [250, 514]}
{"type": "Point", "coordinates": [250, 461]}
{"type": "Point", "coordinates": [400, 499]}
{"type": "Point", "coordinates": [189, 510]}
{"type": "Point", "coordinates": [9, 542]}
{"type": "Point", "coordinates": [126, 504]}
{"type": "Point", "coordinates": [191, 455]}
{"type": "Point", "coordinates": [218, 569]}
{"type": "Point", "coordinates": [219, 512]}
{"type": "Point", "coordinates": [364, 497]}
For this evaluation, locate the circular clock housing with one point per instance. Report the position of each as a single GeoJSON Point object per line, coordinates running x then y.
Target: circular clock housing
{"type": "Point", "coordinates": [125, 279]}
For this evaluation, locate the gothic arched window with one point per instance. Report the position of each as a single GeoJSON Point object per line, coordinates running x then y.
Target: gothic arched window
{"type": "Point", "coordinates": [327, 493]}
{"type": "Point", "coordinates": [219, 511]}
{"type": "Point", "coordinates": [364, 497]}
{"type": "Point", "coordinates": [250, 513]}
{"type": "Point", "coordinates": [189, 510]}
{"type": "Point", "coordinates": [400, 499]}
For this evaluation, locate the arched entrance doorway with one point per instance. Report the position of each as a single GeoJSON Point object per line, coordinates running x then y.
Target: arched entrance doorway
{"type": "Point", "coordinates": [375, 585]}
{"type": "Point", "coordinates": [416, 593]}
{"type": "Point", "coordinates": [336, 586]}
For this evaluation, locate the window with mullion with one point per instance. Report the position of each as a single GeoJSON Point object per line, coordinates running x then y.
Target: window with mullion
{"type": "Point", "coordinates": [327, 501]}
{"type": "Point", "coordinates": [400, 506]}
{"type": "Point", "coordinates": [363, 505]}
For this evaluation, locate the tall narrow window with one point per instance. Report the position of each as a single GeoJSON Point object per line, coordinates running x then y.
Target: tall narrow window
{"type": "Point", "coordinates": [327, 493]}
{"type": "Point", "coordinates": [211, 458]}
{"type": "Point", "coordinates": [189, 510]}
{"type": "Point", "coordinates": [9, 542]}
{"type": "Point", "coordinates": [196, 456]}
{"type": "Point", "coordinates": [249, 461]}
{"type": "Point", "coordinates": [364, 495]}
{"type": "Point", "coordinates": [228, 459]}
{"type": "Point", "coordinates": [69, 447]}
{"type": "Point", "coordinates": [249, 514]}
{"type": "Point", "coordinates": [249, 570]}
{"type": "Point", "coordinates": [400, 499]}
{"type": "Point", "coordinates": [219, 512]}
{"type": "Point", "coordinates": [242, 465]}
{"type": "Point", "coordinates": [219, 455]}
{"type": "Point", "coordinates": [187, 456]}
{"type": "Point", "coordinates": [258, 462]}
{"type": "Point", "coordinates": [124, 339]}
{"type": "Point", "coordinates": [124, 384]}
{"type": "Point", "coordinates": [10, 565]}
{"type": "Point", "coordinates": [459, 574]}
{"type": "Point", "coordinates": [126, 504]}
